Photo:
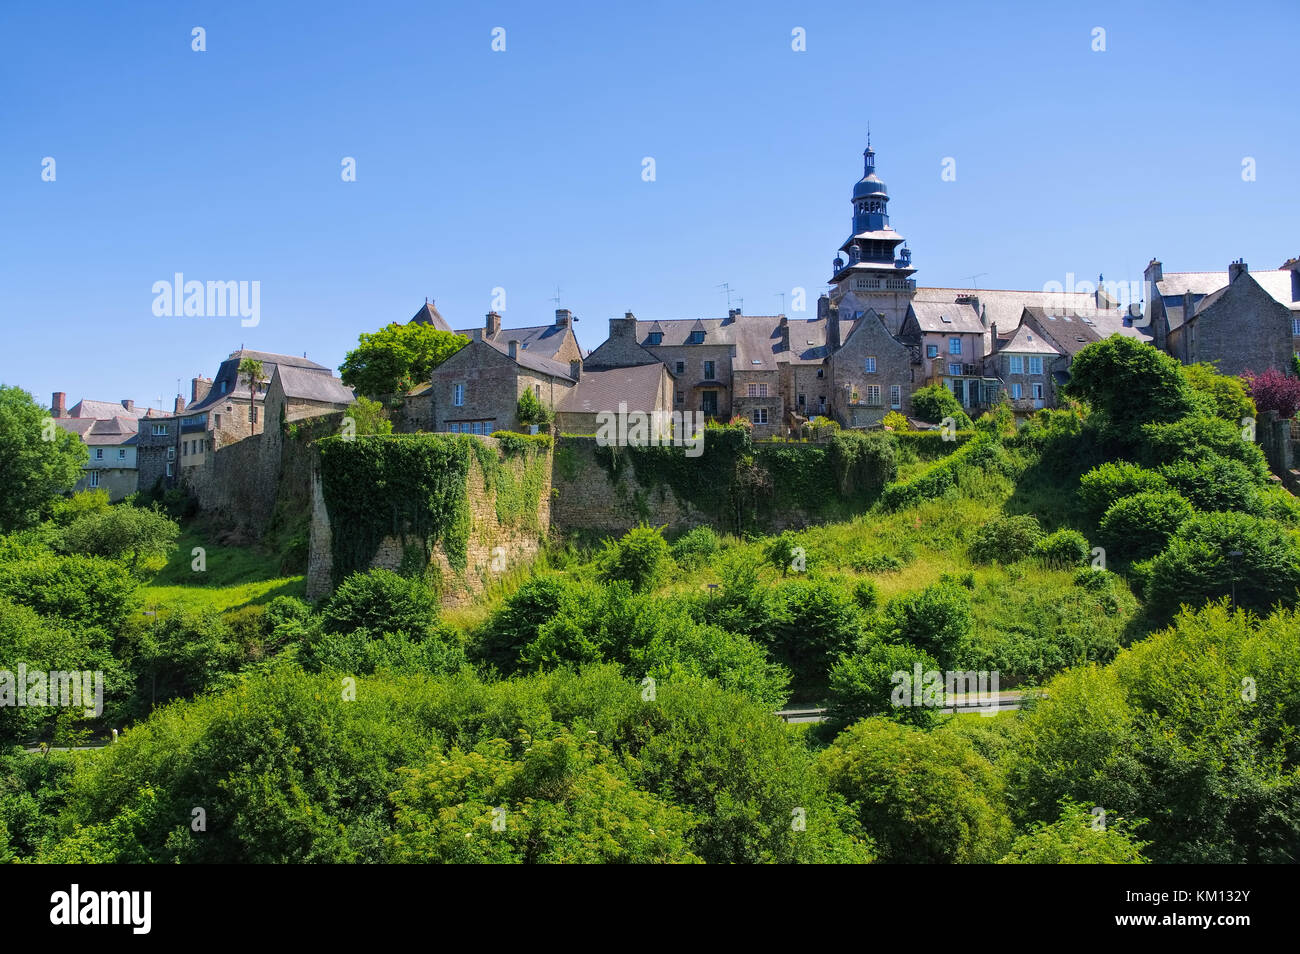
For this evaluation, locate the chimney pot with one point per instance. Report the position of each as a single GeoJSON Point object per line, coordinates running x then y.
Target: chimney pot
{"type": "Point", "coordinates": [1236, 270]}
{"type": "Point", "coordinates": [59, 406]}
{"type": "Point", "coordinates": [562, 317]}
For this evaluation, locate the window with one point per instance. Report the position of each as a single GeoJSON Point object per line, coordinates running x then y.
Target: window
{"type": "Point", "coordinates": [756, 390]}
{"type": "Point", "coordinates": [802, 401]}
{"type": "Point", "coordinates": [873, 395]}
{"type": "Point", "coordinates": [487, 427]}
{"type": "Point", "coordinates": [537, 390]}
{"type": "Point", "coordinates": [821, 372]}
{"type": "Point", "coordinates": [760, 415]}
{"type": "Point", "coordinates": [478, 427]}
{"type": "Point", "coordinates": [681, 367]}
{"type": "Point", "coordinates": [895, 396]}
{"type": "Point", "coordinates": [708, 371]}
{"type": "Point", "coordinates": [160, 430]}
{"type": "Point", "coordinates": [954, 346]}
{"type": "Point", "coordinates": [954, 369]}
{"type": "Point", "coordinates": [170, 467]}
{"type": "Point", "coordinates": [217, 419]}
{"type": "Point", "coordinates": [1016, 390]}
{"type": "Point", "coordinates": [171, 453]}
{"type": "Point", "coordinates": [932, 351]}
{"type": "Point", "coordinates": [1036, 365]}
{"type": "Point", "coordinates": [121, 453]}
{"type": "Point", "coordinates": [458, 395]}
{"type": "Point", "coordinates": [656, 337]}
{"type": "Point", "coordinates": [697, 337]}
{"type": "Point", "coordinates": [185, 448]}
{"type": "Point", "coordinates": [1295, 327]}
{"type": "Point", "coordinates": [681, 397]}
{"type": "Point", "coordinates": [94, 478]}
{"type": "Point", "coordinates": [99, 453]}
{"type": "Point", "coordinates": [869, 365]}
{"type": "Point", "coordinates": [1015, 365]}
{"type": "Point", "coordinates": [1037, 391]}
{"type": "Point", "coordinates": [223, 387]}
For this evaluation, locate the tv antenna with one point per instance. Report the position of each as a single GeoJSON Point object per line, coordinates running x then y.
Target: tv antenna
{"type": "Point", "coordinates": [974, 280]}
{"type": "Point", "coordinates": [727, 287]}
{"type": "Point", "coordinates": [782, 294]}
{"type": "Point", "coordinates": [556, 299]}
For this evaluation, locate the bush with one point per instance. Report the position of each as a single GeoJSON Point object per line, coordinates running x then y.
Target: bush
{"type": "Point", "coordinates": [1212, 482]}
{"type": "Point", "coordinates": [896, 421]}
{"type": "Point", "coordinates": [81, 590]}
{"type": "Point", "coordinates": [1063, 549]}
{"type": "Point", "coordinates": [862, 684]}
{"type": "Point", "coordinates": [1106, 483]}
{"type": "Point", "coordinates": [1197, 568]}
{"type": "Point", "coordinates": [531, 410]}
{"type": "Point", "coordinates": [694, 548]}
{"type": "Point", "coordinates": [640, 558]}
{"type": "Point", "coordinates": [937, 620]}
{"type": "Point", "coordinates": [121, 533]}
{"type": "Point", "coordinates": [1129, 383]}
{"type": "Point", "coordinates": [1192, 438]}
{"type": "Point", "coordinates": [1074, 840]}
{"type": "Point", "coordinates": [924, 797]}
{"type": "Point", "coordinates": [934, 402]}
{"type": "Point", "coordinates": [810, 623]}
{"type": "Point", "coordinates": [1140, 526]}
{"type": "Point", "coordinates": [862, 463]}
{"type": "Point", "coordinates": [380, 601]}
{"type": "Point", "coordinates": [784, 553]}
{"type": "Point", "coordinates": [1006, 539]}
{"type": "Point", "coordinates": [1274, 391]}
{"type": "Point", "coordinates": [517, 622]}
{"type": "Point", "coordinates": [1221, 395]}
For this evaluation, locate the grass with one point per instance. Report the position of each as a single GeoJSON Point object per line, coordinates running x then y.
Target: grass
{"type": "Point", "coordinates": [232, 577]}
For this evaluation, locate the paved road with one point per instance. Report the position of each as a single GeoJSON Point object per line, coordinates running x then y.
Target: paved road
{"type": "Point", "coordinates": [1006, 701]}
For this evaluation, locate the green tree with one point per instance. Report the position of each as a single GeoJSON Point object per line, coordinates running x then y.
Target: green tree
{"type": "Point", "coordinates": [369, 417]}
{"type": "Point", "coordinates": [1221, 395]}
{"type": "Point", "coordinates": [530, 409]}
{"type": "Point", "coordinates": [809, 624]}
{"type": "Point", "coordinates": [1129, 383]}
{"type": "Point", "coordinates": [1139, 527]}
{"type": "Point", "coordinates": [122, 533]}
{"type": "Point", "coordinates": [1076, 838]}
{"type": "Point", "coordinates": [934, 402]}
{"type": "Point", "coordinates": [639, 558]}
{"type": "Point", "coordinates": [38, 460]}
{"type": "Point", "coordinates": [937, 620]}
{"type": "Point", "coordinates": [397, 357]}
{"type": "Point", "coordinates": [252, 373]}
{"type": "Point", "coordinates": [862, 684]}
{"type": "Point", "coordinates": [380, 601]}
{"type": "Point", "coordinates": [923, 797]}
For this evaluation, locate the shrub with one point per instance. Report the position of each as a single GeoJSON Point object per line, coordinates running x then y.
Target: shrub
{"type": "Point", "coordinates": [862, 463]}
{"type": "Point", "coordinates": [121, 533]}
{"type": "Point", "coordinates": [380, 601]}
{"type": "Point", "coordinates": [896, 421]}
{"type": "Point", "coordinates": [934, 402]}
{"type": "Point", "coordinates": [1197, 567]}
{"type": "Point", "coordinates": [1212, 482]}
{"type": "Point", "coordinates": [1129, 383]}
{"type": "Point", "coordinates": [784, 553]}
{"type": "Point", "coordinates": [516, 623]}
{"type": "Point", "coordinates": [922, 796]}
{"type": "Point", "coordinates": [640, 558]}
{"type": "Point", "coordinates": [694, 548]}
{"type": "Point", "coordinates": [1063, 549]}
{"type": "Point", "coordinates": [1114, 480]}
{"type": "Point", "coordinates": [81, 590]}
{"type": "Point", "coordinates": [1006, 539]}
{"type": "Point", "coordinates": [937, 620]}
{"type": "Point", "coordinates": [1221, 395]}
{"type": "Point", "coordinates": [1140, 526]}
{"type": "Point", "coordinates": [808, 624]}
{"type": "Point", "coordinates": [1073, 839]}
{"type": "Point", "coordinates": [1194, 437]}
{"type": "Point", "coordinates": [1274, 391]}
{"type": "Point", "coordinates": [862, 684]}
{"type": "Point", "coordinates": [531, 410]}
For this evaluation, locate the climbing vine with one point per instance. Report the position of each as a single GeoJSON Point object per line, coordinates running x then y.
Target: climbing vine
{"type": "Point", "coordinates": [411, 486]}
{"type": "Point", "coordinates": [519, 480]}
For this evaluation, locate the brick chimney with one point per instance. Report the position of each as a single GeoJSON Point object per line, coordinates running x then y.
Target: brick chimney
{"type": "Point", "coordinates": [575, 369]}
{"type": "Point", "coordinates": [513, 345]}
{"type": "Point", "coordinates": [492, 325]}
{"type": "Point", "coordinates": [180, 405]}
{"type": "Point", "coordinates": [1237, 269]}
{"type": "Point", "coordinates": [199, 388]}
{"type": "Point", "coordinates": [563, 317]}
{"type": "Point", "coordinates": [59, 406]}
{"type": "Point", "coordinates": [128, 404]}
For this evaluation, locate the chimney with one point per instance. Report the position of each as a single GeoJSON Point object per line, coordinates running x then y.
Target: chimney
{"type": "Point", "coordinates": [823, 308]}
{"type": "Point", "coordinates": [833, 324]}
{"type": "Point", "coordinates": [1155, 271]}
{"type": "Point", "coordinates": [493, 324]}
{"type": "Point", "coordinates": [513, 345]}
{"type": "Point", "coordinates": [128, 404]}
{"type": "Point", "coordinates": [563, 317]}
{"type": "Point", "coordinates": [575, 369]}
{"type": "Point", "coordinates": [731, 315]}
{"type": "Point", "coordinates": [180, 404]}
{"type": "Point", "coordinates": [1236, 270]}
{"type": "Point", "coordinates": [784, 325]}
{"type": "Point", "coordinates": [199, 388]}
{"type": "Point", "coordinates": [624, 327]}
{"type": "Point", "coordinates": [59, 407]}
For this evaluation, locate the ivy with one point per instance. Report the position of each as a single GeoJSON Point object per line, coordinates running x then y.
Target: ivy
{"type": "Point", "coordinates": [409, 486]}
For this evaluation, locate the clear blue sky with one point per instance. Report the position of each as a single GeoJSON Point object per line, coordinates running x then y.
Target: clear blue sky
{"type": "Point", "coordinates": [522, 169]}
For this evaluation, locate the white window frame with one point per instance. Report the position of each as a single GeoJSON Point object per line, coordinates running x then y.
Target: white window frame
{"type": "Point", "coordinates": [873, 395]}
{"type": "Point", "coordinates": [458, 395]}
{"type": "Point", "coordinates": [94, 478]}
{"type": "Point", "coordinates": [896, 396]}
{"type": "Point", "coordinates": [1015, 391]}
{"type": "Point", "coordinates": [171, 453]}
{"type": "Point", "coordinates": [1015, 364]}
{"type": "Point", "coordinates": [869, 364]}
{"type": "Point", "coordinates": [1036, 364]}
{"type": "Point", "coordinates": [760, 415]}
{"type": "Point", "coordinates": [99, 453]}
{"type": "Point", "coordinates": [1036, 390]}
{"type": "Point", "coordinates": [954, 346]}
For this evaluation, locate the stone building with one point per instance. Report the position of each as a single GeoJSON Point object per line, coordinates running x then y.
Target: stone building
{"type": "Point", "coordinates": [872, 373]}
{"type": "Point", "coordinates": [646, 388]}
{"type": "Point", "coordinates": [477, 389]}
{"type": "Point", "coordinates": [109, 431]}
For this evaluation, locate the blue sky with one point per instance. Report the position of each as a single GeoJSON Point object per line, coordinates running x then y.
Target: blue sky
{"type": "Point", "coordinates": [522, 169]}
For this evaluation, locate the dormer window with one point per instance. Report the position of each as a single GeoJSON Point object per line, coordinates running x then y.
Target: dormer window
{"type": "Point", "coordinates": [697, 337]}
{"type": "Point", "coordinates": [656, 337]}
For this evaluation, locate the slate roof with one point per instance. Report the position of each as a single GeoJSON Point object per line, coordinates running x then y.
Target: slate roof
{"type": "Point", "coordinates": [310, 385]}
{"type": "Point", "coordinates": [228, 374]}
{"type": "Point", "coordinates": [101, 431]}
{"type": "Point", "coordinates": [947, 316]}
{"type": "Point", "coordinates": [542, 340]}
{"type": "Point", "coordinates": [1004, 307]}
{"type": "Point", "coordinates": [428, 315]}
{"type": "Point", "coordinates": [1024, 341]}
{"type": "Point", "coordinates": [103, 410]}
{"type": "Point", "coordinates": [1277, 282]}
{"type": "Point", "coordinates": [636, 385]}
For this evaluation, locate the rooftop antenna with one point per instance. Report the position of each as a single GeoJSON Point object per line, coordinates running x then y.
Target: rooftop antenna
{"type": "Point", "coordinates": [727, 286]}
{"type": "Point", "coordinates": [556, 299]}
{"type": "Point", "coordinates": [974, 279]}
{"type": "Point", "coordinates": [740, 305]}
{"type": "Point", "coordinates": [782, 294]}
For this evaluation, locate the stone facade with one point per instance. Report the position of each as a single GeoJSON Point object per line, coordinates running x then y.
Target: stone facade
{"type": "Point", "coordinates": [477, 389]}
{"type": "Point", "coordinates": [865, 395]}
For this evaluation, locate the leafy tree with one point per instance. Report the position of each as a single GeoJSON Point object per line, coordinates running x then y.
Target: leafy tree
{"type": "Point", "coordinates": [1212, 482]}
{"type": "Point", "coordinates": [1114, 480]}
{"type": "Point", "coordinates": [1220, 395]}
{"type": "Point", "coordinates": [1192, 437]}
{"type": "Point", "coordinates": [923, 797]}
{"type": "Point", "coordinates": [862, 684]}
{"type": "Point", "coordinates": [783, 550]}
{"type": "Point", "coordinates": [395, 358]}
{"type": "Point", "coordinates": [380, 601]}
{"type": "Point", "coordinates": [1075, 839]}
{"type": "Point", "coordinates": [530, 409]}
{"type": "Point", "coordinates": [183, 653]}
{"type": "Point", "coordinates": [1129, 383]}
{"type": "Point", "coordinates": [809, 624]}
{"type": "Point", "coordinates": [937, 620]}
{"type": "Point", "coordinates": [1139, 527]}
{"type": "Point", "coordinates": [515, 624]}
{"type": "Point", "coordinates": [369, 416]}
{"type": "Point", "coordinates": [1198, 565]}
{"type": "Point", "coordinates": [694, 548]}
{"type": "Point", "coordinates": [1272, 390]}
{"type": "Point", "coordinates": [558, 802]}
{"type": "Point", "coordinates": [33, 469]}
{"type": "Point", "coordinates": [83, 503]}
{"type": "Point", "coordinates": [1006, 539]}
{"type": "Point", "coordinates": [934, 402]}
{"type": "Point", "coordinates": [640, 558]}
{"type": "Point", "coordinates": [122, 533]}
{"type": "Point", "coordinates": [82, 591]}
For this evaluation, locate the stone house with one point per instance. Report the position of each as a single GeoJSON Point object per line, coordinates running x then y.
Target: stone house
{"type": "Point", "coordinates": [477, 389]}
{"type": "Point", "coordinates": [109, 432]}
{"type": "Point", "coordinates": [872, 373]}
{"type": "Point", "coordinates": [643, 387]}
{"type": "Point", "coordinates": [1023, 366]}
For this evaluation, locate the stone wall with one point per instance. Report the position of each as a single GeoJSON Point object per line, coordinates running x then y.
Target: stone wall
{"type": "Point", "coordinates": [494, 548]}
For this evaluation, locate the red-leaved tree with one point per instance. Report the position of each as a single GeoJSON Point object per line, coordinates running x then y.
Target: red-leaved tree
{"type": "Point", "coordinates": [1274, 391]}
